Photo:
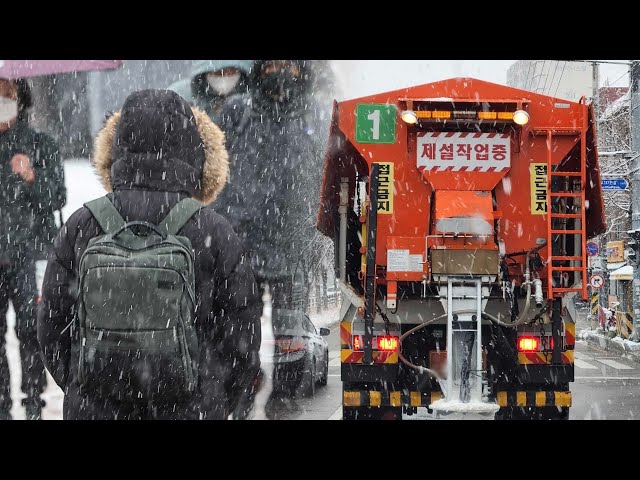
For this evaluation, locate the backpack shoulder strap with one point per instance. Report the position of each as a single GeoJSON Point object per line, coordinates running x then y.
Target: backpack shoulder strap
{"type": "Point", "coordinates": [179, 215]}
{"type": "Point", "coordinates": [106, 214]}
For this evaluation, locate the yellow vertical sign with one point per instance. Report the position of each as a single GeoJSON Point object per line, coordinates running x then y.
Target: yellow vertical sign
{"type": "Point", "coordinates": [538, 173]}
{"type": "Point", "coordinates": [595, 303]}
{"type": "Point", "coordinates": [385, 188]}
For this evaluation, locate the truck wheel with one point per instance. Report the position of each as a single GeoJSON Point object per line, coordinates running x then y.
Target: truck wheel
{"type": "Point", "coordinates": [372, 413]}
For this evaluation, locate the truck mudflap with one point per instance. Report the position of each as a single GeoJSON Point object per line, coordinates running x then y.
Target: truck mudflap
{"type": "Point", "coordinates": [372, 398]}
{"type": "Point", "coordinates": [530, 398]}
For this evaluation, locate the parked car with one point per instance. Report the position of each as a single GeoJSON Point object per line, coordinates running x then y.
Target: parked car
{"type": "Point", "coordinates": [300, 355]}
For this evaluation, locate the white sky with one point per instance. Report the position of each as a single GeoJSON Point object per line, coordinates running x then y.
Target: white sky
{"type": "Point", "coordinates": [366, 77]}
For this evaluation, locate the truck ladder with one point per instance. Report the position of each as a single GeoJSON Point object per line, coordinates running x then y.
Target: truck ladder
{"type": "Point", "coordinates": [568, 198]}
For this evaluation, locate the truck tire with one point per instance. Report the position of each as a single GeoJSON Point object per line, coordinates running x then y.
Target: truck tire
{"type": "Point", "coordinates": [372, 413]}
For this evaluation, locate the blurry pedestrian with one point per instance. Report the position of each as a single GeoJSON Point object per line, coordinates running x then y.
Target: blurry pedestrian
{"type": "Point", "coordinates": [154, 156]}
{"type": "Point", "coordinates": [276, 142]}
{"type": "Point", "coordinates": [276, 151]}
{"type": "Point", "coordinates": [29, 175]}
{"type": "Point", "coordinates": [46, 225]}
{"type": "Point", "coordinates": [211, 82]}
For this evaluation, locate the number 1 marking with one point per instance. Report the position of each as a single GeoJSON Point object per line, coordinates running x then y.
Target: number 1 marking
{"type": "Point", "coordinates": [375, 118]}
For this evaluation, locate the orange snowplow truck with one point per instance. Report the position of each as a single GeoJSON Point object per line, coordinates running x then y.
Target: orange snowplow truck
{"type": "Point", "coordinates": [460, 211]}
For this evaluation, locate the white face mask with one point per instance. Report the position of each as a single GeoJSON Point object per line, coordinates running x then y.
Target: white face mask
{"type": "Point", "coordinates": [8, 109]}
{"type": "Point", "coordinates": [223, 85]}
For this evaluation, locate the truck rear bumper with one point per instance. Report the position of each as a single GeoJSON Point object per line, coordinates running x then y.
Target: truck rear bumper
{"type": "Point", "coordinates": [530, 398]}
{"type": "Point", "coordinates": [371, 398]}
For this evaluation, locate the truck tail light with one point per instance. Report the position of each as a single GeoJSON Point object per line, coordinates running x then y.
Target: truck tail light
{"type": "Point", "coordinates": [381, 343]}
{"type": "Point", "coordinates": [387, 343]}
{"type": "Point", "coordinates": [528, 344]}
{"type": "Point", "coordinates": [549, 346]}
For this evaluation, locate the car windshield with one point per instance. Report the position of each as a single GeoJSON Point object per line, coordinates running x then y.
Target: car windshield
{"type": "Point", "coordinates": [287, 320]}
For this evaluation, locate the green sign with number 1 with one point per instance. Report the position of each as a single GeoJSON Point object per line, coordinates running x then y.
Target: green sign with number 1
{"type": "Point", "coordinates": [375, 123]}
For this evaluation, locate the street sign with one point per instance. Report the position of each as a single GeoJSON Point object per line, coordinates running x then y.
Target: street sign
{"type": "Point", "coordinates": [597, 281]}
{"type": "Point", "coordinates": [592, 249]}
{"type": "Point", "coordinates": [614, 184]}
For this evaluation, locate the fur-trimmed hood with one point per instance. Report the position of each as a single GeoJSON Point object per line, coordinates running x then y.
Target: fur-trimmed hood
{"type": "Point", "coordinates": [158, 142]}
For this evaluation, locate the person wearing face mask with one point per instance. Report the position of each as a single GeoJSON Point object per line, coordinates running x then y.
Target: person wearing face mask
{"type": "Point", "coordinates": [276, 145]}
{"type": "Point", "coordinates": [212, 81]}
{"type": "Point", "coordinates": [29, 161]}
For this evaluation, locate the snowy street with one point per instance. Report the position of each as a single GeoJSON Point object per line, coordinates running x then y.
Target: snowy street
{"type": "Point", "coordinates": [452, 239]}
{"type": "Point", "coordinates": [604, 386]}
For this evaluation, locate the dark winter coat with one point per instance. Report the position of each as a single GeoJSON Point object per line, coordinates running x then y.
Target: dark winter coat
{"type": "Point", "coordinates": [26, 210]}
{"type": "Point", "coordinates": [276, 158]}
{"type": "Point", "coordinates": [157, 151]}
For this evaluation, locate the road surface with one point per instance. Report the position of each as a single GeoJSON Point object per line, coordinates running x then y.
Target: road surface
{"type": "Point", "coordinates": [607, 386]}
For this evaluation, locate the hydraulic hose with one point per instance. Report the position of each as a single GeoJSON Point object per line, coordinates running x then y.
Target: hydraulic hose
{"type": "Point", "coordinates": [527, 280]}
{"type": "Point", "coordinates": [521, 320]}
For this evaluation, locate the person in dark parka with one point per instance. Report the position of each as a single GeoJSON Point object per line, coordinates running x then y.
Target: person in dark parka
{"type": "Point", "coordinates": [29, 176]}
{"type": "Point", "coordinates": [276, 146]}
{"type": "Point", "coordinates": [276, 140]}
{"type": "Point", "coordinates": [46, 227]}
{"type": "Point", "coordinates": [155, 152]}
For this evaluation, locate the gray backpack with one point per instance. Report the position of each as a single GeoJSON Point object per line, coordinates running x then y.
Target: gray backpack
{"type": "Point", "coordinates": [136, 307]}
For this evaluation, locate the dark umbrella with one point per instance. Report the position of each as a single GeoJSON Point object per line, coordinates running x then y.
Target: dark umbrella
{"type": "Point", "coordinates": [13, 69]}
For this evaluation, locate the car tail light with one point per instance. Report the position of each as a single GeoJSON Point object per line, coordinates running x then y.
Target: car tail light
{"type": "Point", "coordinates": [528, 344]}
{"type": "Point", "coordinates": [387, 343]}
{"type": "Point", "coordinates": [289, 345]}
{"type": "Point", "coordinates": [357, 342]}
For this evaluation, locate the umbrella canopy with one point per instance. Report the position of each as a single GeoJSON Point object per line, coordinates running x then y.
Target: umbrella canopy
{"type": "Point", "coordinates": [13, 69]}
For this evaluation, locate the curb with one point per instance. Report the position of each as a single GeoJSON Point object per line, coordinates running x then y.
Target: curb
{"type": "Point", "coordinates": [600, 341]}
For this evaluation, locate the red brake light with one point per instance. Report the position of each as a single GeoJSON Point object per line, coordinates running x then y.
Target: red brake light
{"type": "Point", "coordinates": [528, 344]}
{"type": "Point", "coordinates": [288, 345]}
{"type": "Point", "coordinates": [357, 342]}
{"type": "Point", "coordinates": [387, 343]}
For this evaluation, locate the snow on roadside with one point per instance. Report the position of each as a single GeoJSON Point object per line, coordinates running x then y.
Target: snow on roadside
{"type": "Point", "coordinates": [326, 319]}
{"type": "Point", "coordinates": [628, 344]}
{"type": "Point", "coordinates": [82, 184]}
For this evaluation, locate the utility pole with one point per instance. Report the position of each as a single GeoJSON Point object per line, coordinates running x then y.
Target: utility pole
{"type": "Point", "coordinates": [603, 293]}
{"type": "Point", "coordinates": [634, 112]}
